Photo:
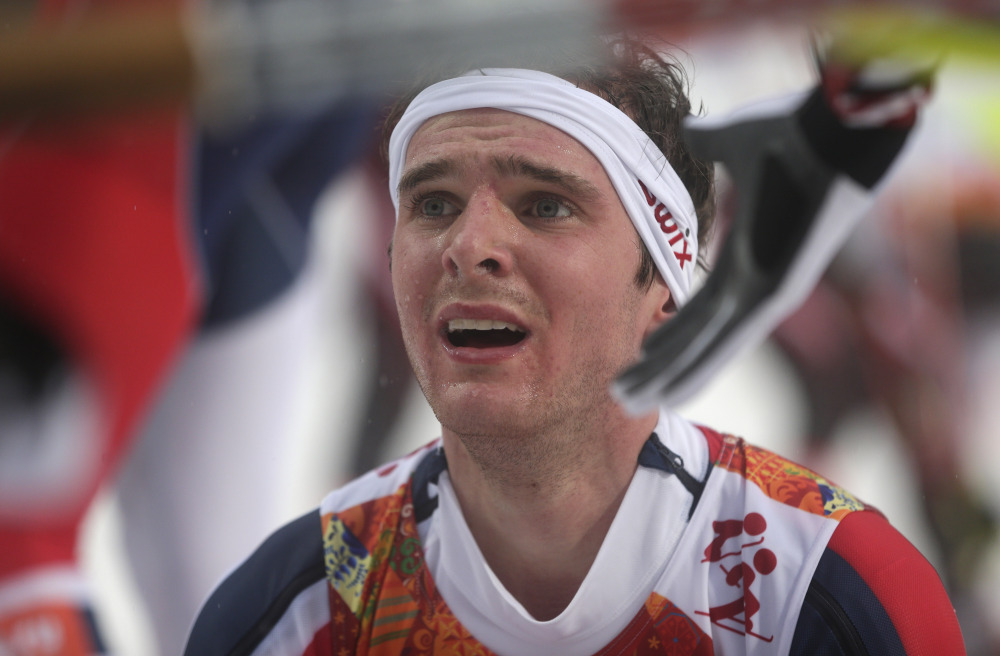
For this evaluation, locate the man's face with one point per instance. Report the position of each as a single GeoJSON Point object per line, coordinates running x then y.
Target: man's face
{"type": "Point", "coordinates": [513, 266]}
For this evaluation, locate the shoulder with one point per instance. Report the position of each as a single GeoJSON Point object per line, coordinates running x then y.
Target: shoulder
{"type": "Point", "coordinates": [874, 590]}
{"type": "Point", "coordinates": [779, 478]}
{"type": "Point", "coordinates": [285, 579]}
{"type": "Point", "coordinates": [251, 601]}
{"type": "Point", "coordinates": [380, 482]}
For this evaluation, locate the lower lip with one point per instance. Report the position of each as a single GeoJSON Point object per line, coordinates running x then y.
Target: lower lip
{"type": "Point", "coordinates": [491, 355]}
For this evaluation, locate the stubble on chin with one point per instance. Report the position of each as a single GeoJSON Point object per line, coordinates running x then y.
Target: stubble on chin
{"type": "Point", "coordinates": [537, 440]}
{"type": "Point", "coordinates": [544, 432]}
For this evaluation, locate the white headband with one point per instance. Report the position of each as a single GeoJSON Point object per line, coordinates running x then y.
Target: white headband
{"type": "Point", "coordinates": [654, 197]}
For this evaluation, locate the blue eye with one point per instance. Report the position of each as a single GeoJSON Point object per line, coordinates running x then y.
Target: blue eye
{"type": "Point", "coordinates": [549, 208]}
{"type": "Point", "coordinates": [436, 207]}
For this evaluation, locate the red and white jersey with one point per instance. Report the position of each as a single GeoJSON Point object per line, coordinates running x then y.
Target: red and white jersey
{"type": "Point", "coordinates": [718, 547]}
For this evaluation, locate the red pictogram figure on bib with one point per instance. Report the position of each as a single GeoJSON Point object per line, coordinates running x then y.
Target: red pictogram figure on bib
{"type": "Point", "coordinates": [732, 538]}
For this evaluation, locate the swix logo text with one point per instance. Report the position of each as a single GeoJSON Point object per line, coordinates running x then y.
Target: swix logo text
{"type": "Point", "coordinates": [736, 550]}
{"type": "Point", "coordinates": [668, 226]}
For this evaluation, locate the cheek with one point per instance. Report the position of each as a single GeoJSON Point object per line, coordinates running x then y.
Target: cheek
{"type": "Point", "coordinates": [411, 276]}
{"type": "Point", "coordinates": [608, 306]}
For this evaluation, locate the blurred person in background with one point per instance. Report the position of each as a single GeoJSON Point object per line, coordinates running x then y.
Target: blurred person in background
{"type": "Point", "coordinates": [891, 326]}
{"type": "Point", "coordinates": [154, 316]}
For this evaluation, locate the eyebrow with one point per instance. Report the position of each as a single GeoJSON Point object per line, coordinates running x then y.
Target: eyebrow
{"type": "Point", "coordinates": [511, 166]}
{"type": "Point", "coordinates": [433, 170]}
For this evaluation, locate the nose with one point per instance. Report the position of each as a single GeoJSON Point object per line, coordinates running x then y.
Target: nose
{"type": "Point", "coordinates": [480, 241]}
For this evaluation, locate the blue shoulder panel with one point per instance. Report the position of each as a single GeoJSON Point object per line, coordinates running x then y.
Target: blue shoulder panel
{"type": "Point", "coordinates": [841, 616]}
{"type": "Point", "coordinates": [242, 610]}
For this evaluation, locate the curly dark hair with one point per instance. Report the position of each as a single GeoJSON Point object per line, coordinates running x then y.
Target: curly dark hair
{"type": "Point", "coordinates": [650, 87]}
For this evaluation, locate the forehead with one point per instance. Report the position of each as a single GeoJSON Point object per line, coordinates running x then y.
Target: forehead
{"type": "Point", "coordinates": [474, 133]}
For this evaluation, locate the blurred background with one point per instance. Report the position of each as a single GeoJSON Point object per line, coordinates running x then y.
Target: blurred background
{"type": "Point", "coordinates": [235, 353]}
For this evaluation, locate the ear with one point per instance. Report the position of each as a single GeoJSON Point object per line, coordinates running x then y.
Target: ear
{"type": "Point", "coordinates": [661, 304]}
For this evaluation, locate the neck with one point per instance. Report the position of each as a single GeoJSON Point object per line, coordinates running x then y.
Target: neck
{"type": "Point", "coordinates": [540, 506]}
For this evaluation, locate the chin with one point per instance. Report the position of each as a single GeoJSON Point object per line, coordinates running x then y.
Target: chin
{"type": "Point", "coordinates": [471, 410]}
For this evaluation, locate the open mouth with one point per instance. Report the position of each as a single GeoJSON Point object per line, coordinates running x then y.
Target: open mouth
{"type": "Point", "coordinates": [483, 333]}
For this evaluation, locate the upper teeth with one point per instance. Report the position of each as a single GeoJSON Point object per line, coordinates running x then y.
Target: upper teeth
{"type": "Point", "coordinates": [480, 324]}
